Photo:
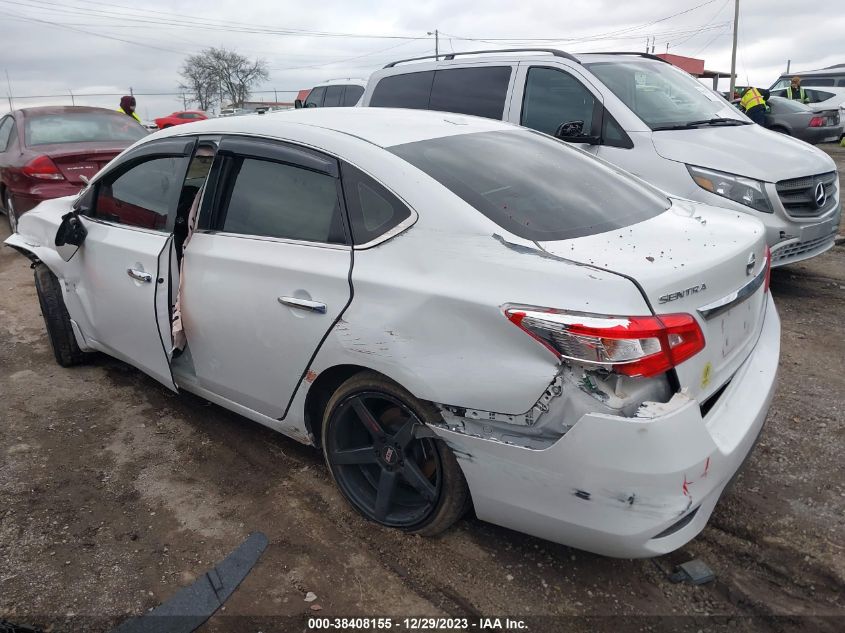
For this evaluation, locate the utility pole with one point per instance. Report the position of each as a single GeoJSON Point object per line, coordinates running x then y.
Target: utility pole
{"type": "Point", "coordinates": [436, 35]}
{"type": "Point", "coordinates": [9, 93]}
{"type": "Point", "coordinates": [788, 63]}
{"type": "Point", "coordinates": [733, 50]}
{"type": "Point", "coordinates": [131, 94]}
{"type": "Point", "coordinates": [72, 100]}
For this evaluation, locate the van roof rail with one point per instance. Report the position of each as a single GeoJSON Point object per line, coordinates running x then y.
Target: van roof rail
{"type": "Point", "coordinates": [450, 56]}
{"type": "Point", "coordinates": [637, 54]}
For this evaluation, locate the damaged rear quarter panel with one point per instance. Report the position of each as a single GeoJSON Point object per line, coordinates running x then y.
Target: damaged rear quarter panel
{"type": "Point", "coordinates": [426, 309]}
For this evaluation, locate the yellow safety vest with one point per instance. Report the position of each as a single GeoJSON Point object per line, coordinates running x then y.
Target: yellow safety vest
{"type": "Point", "coordinates": [134, 115]}
{"type": "Point", "coordinates": [801, 93]}
{"type": "Point", "coordinates": [751, 99]}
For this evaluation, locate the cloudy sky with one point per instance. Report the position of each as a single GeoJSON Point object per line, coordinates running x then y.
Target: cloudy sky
{"type": "Point", "coordinates": [87, 47]}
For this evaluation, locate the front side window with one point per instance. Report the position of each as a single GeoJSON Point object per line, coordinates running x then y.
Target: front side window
{"type": "Point", "coordinates": [479, 91]}
{"type": "Point", "coordinates": [661, 95]}
{"type": "Point", "coordinates": [7, 125]}
{"type": "Point", "coordinates": [553, 97]}
{"type": "Point", "coordinates": [271, 199]}
{"type": "Point", "coordinates": [352, 95]}
{"type": "Point", "coordinates": [545, 190]}
{"type": "Point", "coordinates": [82, 127]}
{"type": "Point", "coordinates": [411, 90]}
{"type": "Point", "coordinates": [315, 97]}
{"type": "Point", "coordinates": [144, 196]}
{"type": "Point", "coordinates": [373, 210]}
{"type": "Point", "coordinates": [334, 97]}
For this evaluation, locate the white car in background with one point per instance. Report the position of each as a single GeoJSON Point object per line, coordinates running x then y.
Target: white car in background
{"type": "Point", "coordinates": [571, 351]}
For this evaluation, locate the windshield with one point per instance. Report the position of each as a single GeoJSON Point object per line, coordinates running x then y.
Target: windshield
{"type": "Point", "coordinates": [544, 190]}
{"type": "Point", "coordinates": [82, 127]}
{"type": "Point", "coordinates": [660, 94]}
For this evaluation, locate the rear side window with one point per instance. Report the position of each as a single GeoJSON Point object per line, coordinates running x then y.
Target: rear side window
{"type": "Point", "coordinates": [353, 93]}
{"type": "Point", "coordinates": [372, 209]}
{"type": "Point", "coordinates": [81, 127]}
{"type": "Point", "coordinates": [545, 190]}
{"type": "Point", "coordinates": [412, 90]}
{"type": "Point", "coordinates": [279, 200]}
{"type": "Point", "coordinates": [144, 196]}
{"type": "Point", "coordinates": [6, 127]}
{"type": "Point", "coordinates": [817, 81]}
{"type": "Point", "coordinates": [334, 97]}
{"type": "Point", "coordinates": [477, 91]}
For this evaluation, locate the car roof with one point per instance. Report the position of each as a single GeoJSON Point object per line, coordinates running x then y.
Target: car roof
{"type": "Point", "coordinates": [512, 57]}
{"type": "Point", "coordinates": [45, 110]}
{"type": "Point", "coordinates": [384, 127]}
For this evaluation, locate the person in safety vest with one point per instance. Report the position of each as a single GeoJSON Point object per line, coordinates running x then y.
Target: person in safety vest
{"type": "Point", "coordinates": [795, 91]}
{"type": "Point", "coordinates": [127, 106]}
{"type": "Point", "coordinates": [754, 104]}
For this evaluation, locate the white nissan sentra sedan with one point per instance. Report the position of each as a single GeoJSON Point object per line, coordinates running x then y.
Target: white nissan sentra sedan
{"type": "Point", "coordinates": [458, 311]}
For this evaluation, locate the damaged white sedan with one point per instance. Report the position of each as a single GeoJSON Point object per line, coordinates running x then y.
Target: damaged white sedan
{"type": "Point", "coordinates": [457, 310]}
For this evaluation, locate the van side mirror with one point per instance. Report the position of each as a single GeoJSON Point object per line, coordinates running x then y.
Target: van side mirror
{"type": "Point", "coordinates": [297, 103]}
{"type": "Point", "coordinates": [70, 236]}
{"type": "Point", "coordinates": [573, 132]}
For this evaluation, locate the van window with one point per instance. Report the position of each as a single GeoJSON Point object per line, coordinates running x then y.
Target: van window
{"type": "Point", "coordinates": [315, 97]}
{"type": "Point", "coordinates": [479, 91]}
{"type": "Point", "coordinates": [662, 96]}
{"type": "Point", "coordinates": [817, 81]}
{"type": "Point", "coordinates": [840, 82]}
{"type": "Point", "coordinates": [553, 97]}
{"type": "Point", "coordinates": [334, 96]}
{"type": "Point", "coordinates": [352, 94]}
{"type": "Point", "coordinates": [545, 190]}
{"type": "Point", "coordinates": [411, 90]}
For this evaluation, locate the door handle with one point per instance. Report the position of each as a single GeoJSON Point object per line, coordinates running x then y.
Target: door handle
{"type": "Point", "coordinates": [304, 304]}
{"type": "Point", "coordinates": [139, 275]}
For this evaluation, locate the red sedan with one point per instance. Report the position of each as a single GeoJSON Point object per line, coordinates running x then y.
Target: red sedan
{"type": "Point", "coordinates": [178, 118]}
{"type": "Point", "coordinates": [51, 151]}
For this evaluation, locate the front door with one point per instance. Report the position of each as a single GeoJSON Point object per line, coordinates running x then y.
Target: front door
{"type": "Point", "coordinates": [266, 273]}
{"type": "Point", "coordinates": [118, 286]}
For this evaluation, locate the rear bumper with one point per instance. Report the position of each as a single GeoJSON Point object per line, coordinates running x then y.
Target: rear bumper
{"type": "Point", "coordinates": [611, 485]}
{"type": "Point", "coordinates": [26, 200]}
{"type": "Point", "coordinates": [816, 135]}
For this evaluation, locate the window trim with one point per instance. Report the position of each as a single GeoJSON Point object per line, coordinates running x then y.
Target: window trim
{"type": "Point", "coordinates": [275, 151]}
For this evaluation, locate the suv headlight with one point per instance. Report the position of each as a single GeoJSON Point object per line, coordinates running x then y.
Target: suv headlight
{"type": "Point", "coordinates": [747, 191]}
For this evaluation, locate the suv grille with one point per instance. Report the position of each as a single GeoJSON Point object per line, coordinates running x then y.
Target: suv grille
{"type": "Point", "coordinates": [798, 195]}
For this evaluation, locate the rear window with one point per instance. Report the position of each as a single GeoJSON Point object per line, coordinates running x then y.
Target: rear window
{"type": "Point", "coordinates": [82, 127]}
{"type": "Point", "coordinates": [352, 94]}
{"type": "Point", "coordinates": [544, 190]}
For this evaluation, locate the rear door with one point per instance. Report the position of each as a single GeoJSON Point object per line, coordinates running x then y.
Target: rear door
{"type": "Point", "coordinates": [266, 273]}
{"type": "Point", "coordinates": [119, 287]}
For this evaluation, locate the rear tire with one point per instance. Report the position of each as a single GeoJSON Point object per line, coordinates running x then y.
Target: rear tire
{"type": "Point", "coordinates": [426, 489]}
{"type": "Point", "coordinates": [11, 216]}
{"type": "Point", "coordinates": [57, 319]}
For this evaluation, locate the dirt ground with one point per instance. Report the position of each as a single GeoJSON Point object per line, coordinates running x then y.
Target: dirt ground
{"type": "Point", "coordinates": [115, 492]}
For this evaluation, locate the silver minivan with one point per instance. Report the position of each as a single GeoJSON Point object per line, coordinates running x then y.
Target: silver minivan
{"type": "Point", "coordinates": [646, 116]}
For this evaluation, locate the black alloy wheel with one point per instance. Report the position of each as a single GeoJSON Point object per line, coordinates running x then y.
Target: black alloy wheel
{"type": "Point", "coordinates": [388, 473]}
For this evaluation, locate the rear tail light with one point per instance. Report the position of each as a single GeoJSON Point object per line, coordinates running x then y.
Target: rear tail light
{"type": "Point", "coordinates": [817, 121]}
{"type": "Point", "coordinates": [634, 346]}
{"type": "Point", "coordinates": [43, 168]}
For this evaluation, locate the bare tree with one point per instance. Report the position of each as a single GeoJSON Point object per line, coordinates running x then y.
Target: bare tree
{"type": "Point", "coordinates": [219, 74]}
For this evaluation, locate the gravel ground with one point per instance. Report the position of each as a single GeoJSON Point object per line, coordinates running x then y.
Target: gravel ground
{"type": "Point", "coordinates": [115, 492]}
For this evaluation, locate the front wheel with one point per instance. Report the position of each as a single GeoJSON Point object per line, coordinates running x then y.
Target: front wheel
{"type": "Point", "coordinates": [386, 461]}
{"type": "Point", "coordinates": [56, 319]}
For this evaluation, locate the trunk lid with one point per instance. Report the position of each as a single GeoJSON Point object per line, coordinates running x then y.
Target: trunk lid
{"type": "Point", "coordinates": [691, 259]}
{"type": "Point", "coordinates": [80, 159]}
